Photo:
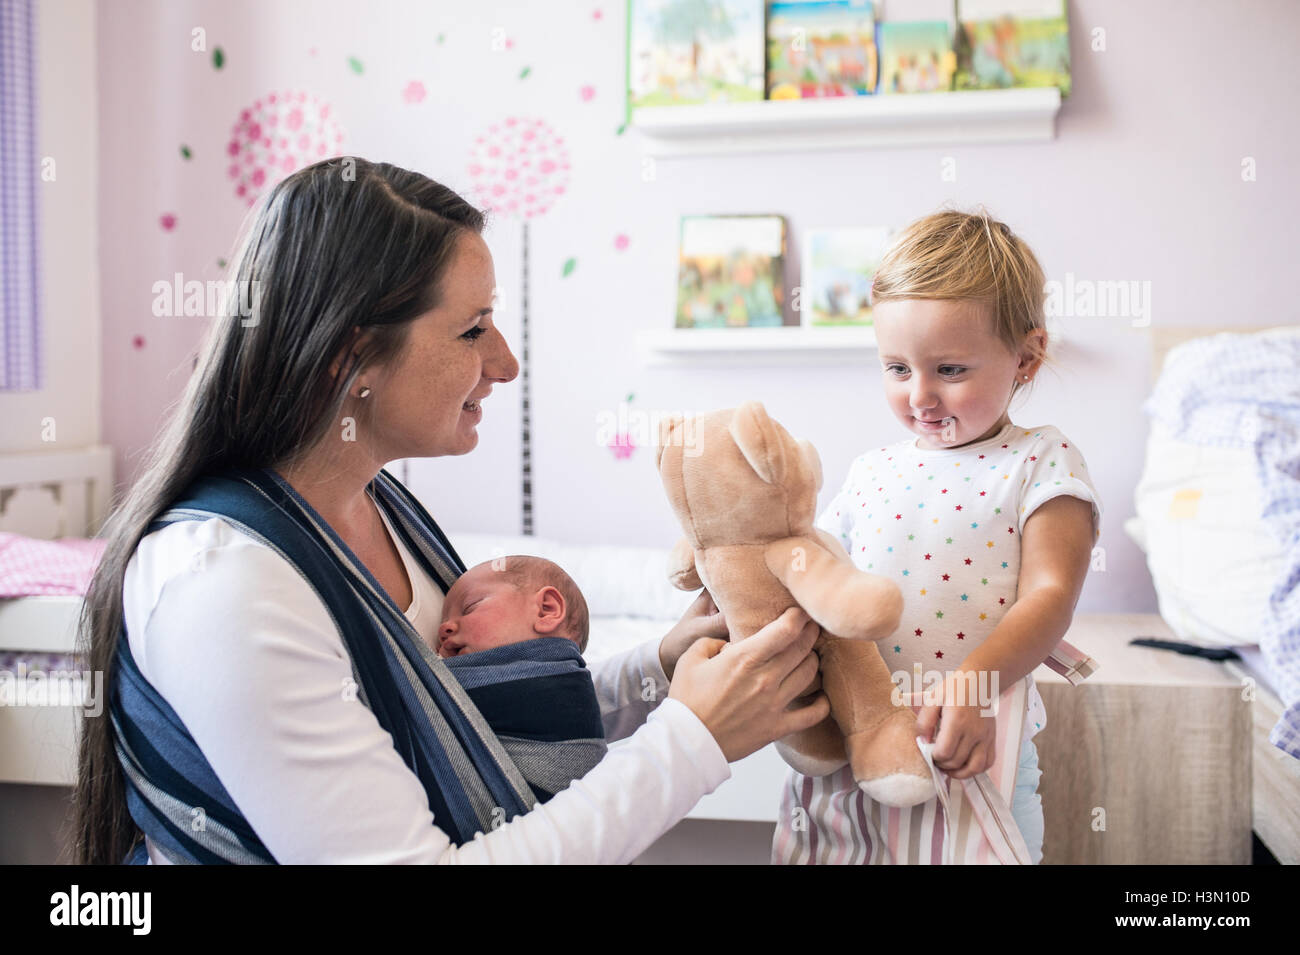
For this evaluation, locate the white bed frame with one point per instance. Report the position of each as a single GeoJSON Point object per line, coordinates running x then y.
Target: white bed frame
{"type": "Point", "coordinates": [47, 495]}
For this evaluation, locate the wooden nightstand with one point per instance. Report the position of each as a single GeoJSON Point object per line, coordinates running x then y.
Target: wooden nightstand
{"type": "Point", "coordinates": [1155, 746]}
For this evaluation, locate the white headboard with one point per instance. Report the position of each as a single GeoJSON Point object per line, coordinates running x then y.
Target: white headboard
{"type": "Point", "coordinates": [53, 494]}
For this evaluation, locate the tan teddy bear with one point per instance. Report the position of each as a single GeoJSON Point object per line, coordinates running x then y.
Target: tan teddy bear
{"type": "Point", "coordinates": [745, 493]}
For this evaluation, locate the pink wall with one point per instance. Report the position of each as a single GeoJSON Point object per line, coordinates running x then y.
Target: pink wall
{"type": "Point", "coordinates": [1143, 182]}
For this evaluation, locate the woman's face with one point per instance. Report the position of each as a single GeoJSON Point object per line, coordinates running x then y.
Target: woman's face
{"type": "Point", "coordinates": [429, 403]}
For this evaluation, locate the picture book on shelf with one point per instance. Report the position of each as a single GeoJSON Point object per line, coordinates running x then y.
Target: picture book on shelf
{"type": "Point", "coordinates": [731, 271]}
{"type": "Point", "coordinates": [838, 266]}
{"type": "Point", "coordinates": [694, 51]}
{"type": "Point", "coordinates": [916, 57]}
{"type": "Point", "coordinates": [821, 48]}
{"type": "Point", "coordinates": [1002, 44]}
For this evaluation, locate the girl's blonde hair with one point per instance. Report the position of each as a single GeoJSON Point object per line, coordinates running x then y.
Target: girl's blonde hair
{"type": "Point", "coordinates": [968, 257]}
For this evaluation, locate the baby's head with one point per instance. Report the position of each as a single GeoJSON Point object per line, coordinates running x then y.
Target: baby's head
{"type": "Point", "coordinates": [509, 600]}
{"type": "Point", "coordinates": [958, 308]}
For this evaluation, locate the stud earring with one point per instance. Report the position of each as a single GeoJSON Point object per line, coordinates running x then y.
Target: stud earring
{"type": "Point", "coordinates": [364, 393]}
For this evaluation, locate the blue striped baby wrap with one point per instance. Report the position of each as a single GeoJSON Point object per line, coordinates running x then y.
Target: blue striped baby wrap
{"type": "Point", "coordinates": [488, 734]}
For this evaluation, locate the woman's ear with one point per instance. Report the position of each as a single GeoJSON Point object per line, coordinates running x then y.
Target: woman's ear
{"type": "Point", "coordinates": [356, 343]}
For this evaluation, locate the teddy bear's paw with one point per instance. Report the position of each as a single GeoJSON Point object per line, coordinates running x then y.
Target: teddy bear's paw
{"type": "Point", "coordinates": [888, 764]}
{"type": "Point", "coordinates": [899, 789]}
{"type": "Point", "coordinates": [809, 765]}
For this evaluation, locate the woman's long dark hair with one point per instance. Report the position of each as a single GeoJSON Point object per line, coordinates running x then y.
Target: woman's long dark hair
{"type": "Point", "coordinates": [339, 244]}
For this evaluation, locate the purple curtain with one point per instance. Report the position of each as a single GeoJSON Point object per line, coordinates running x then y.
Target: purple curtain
{"type": "Point", "coordinates": [20, 332]}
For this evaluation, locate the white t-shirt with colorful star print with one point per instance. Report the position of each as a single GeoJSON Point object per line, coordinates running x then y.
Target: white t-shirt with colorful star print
{"type": "Point", "coordinates": [945, 525]}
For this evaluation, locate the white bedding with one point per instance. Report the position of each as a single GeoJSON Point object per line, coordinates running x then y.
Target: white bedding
{"type": "Point", "coordinates": [1253, 662]}
{"type": "Point", "coordinates": [615, 581]}
{"type": "Point", "coordinates": [1212, 559]}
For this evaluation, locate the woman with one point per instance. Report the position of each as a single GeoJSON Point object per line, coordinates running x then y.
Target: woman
{"type": "Point", "coordinates": [269, 699]}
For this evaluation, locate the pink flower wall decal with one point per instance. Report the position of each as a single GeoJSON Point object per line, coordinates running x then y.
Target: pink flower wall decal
{"type": "Point", "coordinates": [167, 221]}
{"type": "Point", "coordinates": [278, 134]}
{"type": "Point", "coordinates": [621, 241]}
{"type": "Point", "coordinates": [414, 92]}
{"type": "Point", "coordinates": [622, 446]}
{"type": "Point", "coordinates": [588, 93]}
{"type": "Point", "coordinates": [519, 166]}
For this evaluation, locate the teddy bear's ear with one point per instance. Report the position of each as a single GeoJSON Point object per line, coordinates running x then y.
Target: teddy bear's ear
{"type": "Point", "coordinates": [813, 460]}
{"type": "Point", "coordinates": [756, 436]}
{"type": "Point", "coordinates": [666, 428]}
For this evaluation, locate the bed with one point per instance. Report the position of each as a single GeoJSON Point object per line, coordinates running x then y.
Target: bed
{"type": "Point", "coordinates": [46, 495]}
{"type": "Point", "coordinates": [43, 495]}
{"type": "Point", "coordinates": [1198, 523]}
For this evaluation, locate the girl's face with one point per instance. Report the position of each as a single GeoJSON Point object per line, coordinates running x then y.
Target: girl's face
{"type": "Point", "coordinates": [948, 378]}
{"type": "Point", "coordinates": [429, 402]}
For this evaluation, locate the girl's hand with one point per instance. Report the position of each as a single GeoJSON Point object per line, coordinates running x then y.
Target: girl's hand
{"type": "Point", "coordinates": [702, 619]}
{"type": "Point", "coordinates": [741, 691]}
{"type": "Point", "coordinates": [966, 741]}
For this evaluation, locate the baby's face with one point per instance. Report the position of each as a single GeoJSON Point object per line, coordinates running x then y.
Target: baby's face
{"type": "Point", "coordinates": [484, 609]}
{"type": "Point", "coordinates": [943, 364]}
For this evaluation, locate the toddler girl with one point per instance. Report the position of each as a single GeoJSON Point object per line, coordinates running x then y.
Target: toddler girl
{"type": "Point", "coordinates": [986, 526]}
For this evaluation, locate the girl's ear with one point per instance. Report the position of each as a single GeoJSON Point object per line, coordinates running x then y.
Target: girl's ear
{"type": "Point", "coordinates": [1032, 351]}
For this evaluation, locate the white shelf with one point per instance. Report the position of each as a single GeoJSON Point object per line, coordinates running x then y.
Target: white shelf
{"type": "Point", "coordinates": [849, 122]}
{"type": "Point", "coordinates": [786, 345]}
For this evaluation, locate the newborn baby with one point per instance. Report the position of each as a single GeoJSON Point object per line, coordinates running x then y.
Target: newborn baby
{"type": "Point", "coordinates": [547, 715]}
{"type": "Point", "coordinates": [510, 600]}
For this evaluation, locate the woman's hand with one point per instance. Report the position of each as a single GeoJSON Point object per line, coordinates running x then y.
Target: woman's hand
{"type": "Point", "coordinates": [702, 619]}
{"type": "Point", "coordinates": [741, 691]}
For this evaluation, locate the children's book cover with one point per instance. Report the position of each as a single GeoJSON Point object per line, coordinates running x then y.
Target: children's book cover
{"type": "Point", "coordinates": [838, 266]}
{"type": "Point", "coordinates": [694, 51]}
{"type": "Point", "coordinates": [821, 48]}
{"type": "Point", "coordinates": [1002, 44]}
{"type": "Point", "coordinates": [731, 271]}
{"type": "Point", "coordinates": [916, 57]}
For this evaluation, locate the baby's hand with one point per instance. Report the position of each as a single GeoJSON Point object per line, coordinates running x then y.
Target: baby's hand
{"type": "Point", "coordinates": [966, 741]}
